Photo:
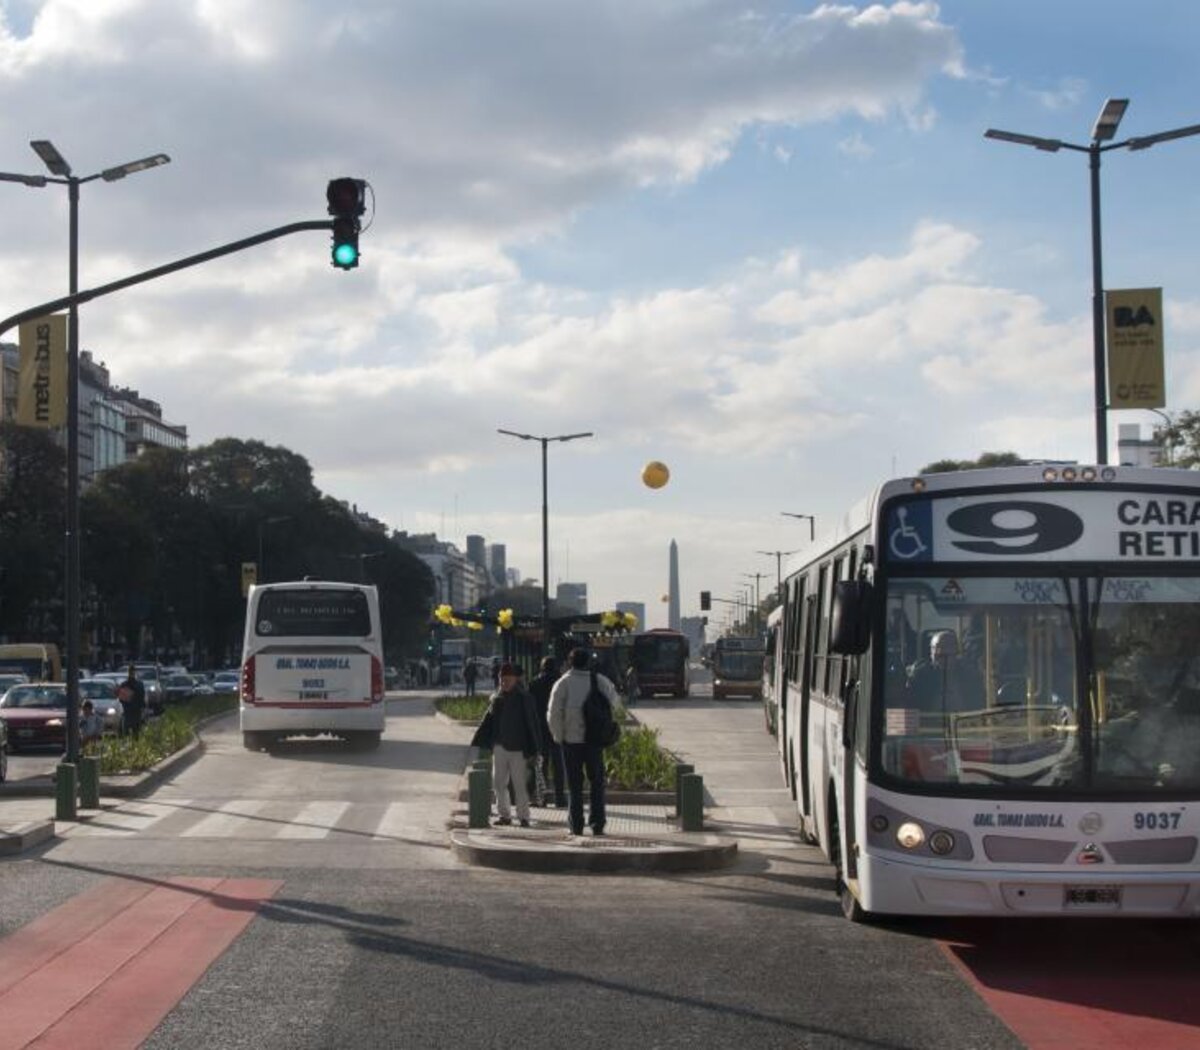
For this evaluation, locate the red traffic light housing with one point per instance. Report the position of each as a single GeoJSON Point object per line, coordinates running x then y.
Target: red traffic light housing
{"type": "Point", "coordinates": [347, 201]}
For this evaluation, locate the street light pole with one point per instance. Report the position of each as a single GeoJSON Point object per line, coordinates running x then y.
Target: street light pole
{"type": "Point", "coordinates": [63, 176]}
{"type": "Point", "coordinates": [778, 556]}
{"type": "Point", "coordinates": [812, 523]}
{"type": "Point", "coordinates": [545, 441]}
{"type": "Point", "coordinates": [1104, 129]}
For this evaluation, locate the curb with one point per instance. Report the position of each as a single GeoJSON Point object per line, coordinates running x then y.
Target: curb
{"type": "Point", "coordinates": [558, 855]}
{"type": "Point", "coordinates": [630, 798]}
{"type": "Point", "coordinates": [20, 837]}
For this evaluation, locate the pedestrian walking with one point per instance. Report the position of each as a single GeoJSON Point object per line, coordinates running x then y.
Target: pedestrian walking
{"type": "Point", "coordinates": [495, 673]}
{"type": "Point", "coordinates": [568, 729]}
{"type": "Point", "coordinates": [515, 739]}
{"type": "Point", "coordinates": [470, 674]}
{"type": "Point", "coordinates": [132, 695]}
{"type": "Point", "coordinates": [550, 758]}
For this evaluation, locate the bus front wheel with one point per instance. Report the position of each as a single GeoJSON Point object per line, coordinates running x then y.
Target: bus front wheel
{"type": "Point", "coordinates": [851, 908]}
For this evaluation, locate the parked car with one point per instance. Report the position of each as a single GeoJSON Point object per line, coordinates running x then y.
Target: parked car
{"type": "Point", "coordinates": [8, 680]}
{"type": "Point", "coordinates": [36, 715]}
{"type": "Point", "coordinates": [176, 687]}
{"type": "Point", "coordinates": [226, 683]}
{"type": "Point", "coordinates": [103, 695]}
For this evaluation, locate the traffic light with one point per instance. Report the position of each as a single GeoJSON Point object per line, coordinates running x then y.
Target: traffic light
{"type": "Point", "coordinates": [347, 199]}
{"type": "Point", "coordinates": [706, 601]}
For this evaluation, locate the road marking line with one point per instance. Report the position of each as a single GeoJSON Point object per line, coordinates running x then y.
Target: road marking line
{"type": "Point", "coordinates": [129, 819]}
{"type": "Point", "coordinates": [398, 822]}
{"type": "Point", "coordinates": [131, 1004]}
{"type": "Point", "coordinates": [228, 820]}
{"type": "Point", "coordinates": [35, 944]}
{"type": "Point", "coordinates": [314, 821]}
{"type": "Point", "coordinates": [31, 1005]}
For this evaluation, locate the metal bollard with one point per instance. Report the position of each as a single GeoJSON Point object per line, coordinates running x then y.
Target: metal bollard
{"type": "Point", "coordinates": [89, 782]}
{"type": "Point", "coordinates": [691, 802]}
{"type": "Point", "coordinates": [479, 798]}
{"type": "Point", "coordinates": [680, 769]}
{"type": "Point", "coordinates": [64, 792]}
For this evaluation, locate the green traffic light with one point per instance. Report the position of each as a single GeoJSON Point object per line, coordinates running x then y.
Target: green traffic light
{"type": "Point", "coordinates": [345, 254]}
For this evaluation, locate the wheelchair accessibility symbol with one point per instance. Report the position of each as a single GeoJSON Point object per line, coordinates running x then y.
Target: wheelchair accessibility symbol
{"type": "Point", "coordinates": [904, 541]}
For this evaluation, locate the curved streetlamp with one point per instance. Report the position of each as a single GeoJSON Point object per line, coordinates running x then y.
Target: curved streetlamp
{"type": "Point", "coordinates": [545, 524]}
{"type": "Point", "coordinates": [61, 174]}
{"type": "Point", "coordinates": [1104, 129]}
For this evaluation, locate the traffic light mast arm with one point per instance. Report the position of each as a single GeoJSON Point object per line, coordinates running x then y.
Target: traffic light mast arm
{"type": "Point", "coordinates": [161, 271]}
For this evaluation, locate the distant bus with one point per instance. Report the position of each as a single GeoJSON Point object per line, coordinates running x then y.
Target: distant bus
{"type": "Point", "coordinates": [990, 694]}
{"type": "Point", "coordinates": [312, 663]}
{"type": "Point", "coordinates": [660, 661]}
{"type": "Point", "coordinates": [737, 666]}
{"type": "Point", "coordinates": [772, 670]}
{"type": "Point", "coordinates": [38, 661]}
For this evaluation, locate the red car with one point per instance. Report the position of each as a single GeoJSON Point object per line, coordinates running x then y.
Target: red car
{"type": "Point", "coordinates": [35, 715]}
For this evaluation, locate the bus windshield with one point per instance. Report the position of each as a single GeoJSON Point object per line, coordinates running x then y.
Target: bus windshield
{"type": "Point", "coordinates": [658, 654]}
{"type": "Point", "coordinates": [1077, 683]}
{"type": "Point", "coordinates": [313, 613]}
{"type": "Point", "coordinates": [743, 665]}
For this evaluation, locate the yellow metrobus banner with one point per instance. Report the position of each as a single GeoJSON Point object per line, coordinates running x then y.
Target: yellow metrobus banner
{"type": "Point", "coordinates": [42, 378]}
{"type": "Point", "coordinates": [1135, 348]}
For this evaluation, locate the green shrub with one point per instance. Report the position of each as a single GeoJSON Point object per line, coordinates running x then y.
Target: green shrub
{"type": "Point", "coordinates": [160, 737]}
{"type": "Point", "coordinates": [637, 763]}
{"type": "Point", "coordinates": [462, 708]}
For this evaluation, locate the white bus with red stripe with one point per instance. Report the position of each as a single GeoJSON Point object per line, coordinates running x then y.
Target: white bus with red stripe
{"type": "Point", "coordinates": [312, 663]}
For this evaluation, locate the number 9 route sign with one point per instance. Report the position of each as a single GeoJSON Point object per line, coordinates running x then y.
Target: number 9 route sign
{"type": "Point", "coordinates": [1071, 526]}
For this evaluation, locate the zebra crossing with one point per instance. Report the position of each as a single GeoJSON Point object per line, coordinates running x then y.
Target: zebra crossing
{"type": "Point", "coordinates": [261, 819]}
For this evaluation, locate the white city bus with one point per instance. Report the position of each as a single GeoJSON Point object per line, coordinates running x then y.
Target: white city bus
{"type": "Point", "coordinates": [989, 694]}
{"type": "Point", "coordinates": [312, 663]}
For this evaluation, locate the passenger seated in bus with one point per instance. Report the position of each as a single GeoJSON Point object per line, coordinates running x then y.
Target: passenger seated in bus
{"type": "Point", "coordinates": [947, 682]}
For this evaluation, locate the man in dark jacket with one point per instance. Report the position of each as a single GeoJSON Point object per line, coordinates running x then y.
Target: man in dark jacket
{"type": "Point", "coordinates": [132, 695]}
{"type": "Point", "coordinates": [551, 755]}
{"type": "Point", "coordinates": [516, 738]}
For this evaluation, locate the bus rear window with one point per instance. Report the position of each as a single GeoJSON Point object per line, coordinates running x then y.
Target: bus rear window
{"type": "Point", "coordinates": [313, 614]}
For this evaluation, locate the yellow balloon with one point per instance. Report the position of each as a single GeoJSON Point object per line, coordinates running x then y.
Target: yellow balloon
{"type": "Point", "coordinates": [655, 474]}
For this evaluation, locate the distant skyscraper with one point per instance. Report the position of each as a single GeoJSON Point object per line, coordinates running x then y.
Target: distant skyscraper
{"type": "Point", "coordinates": [673, 589]}
{"type": "Point", "coordinates": [638, 609]}
{"type": "Point", "coordinates": [477, 550]}
{"type": "Point", "coordinates": [572, 596]}
{"type": "Point", "coordinates": [498, 563]}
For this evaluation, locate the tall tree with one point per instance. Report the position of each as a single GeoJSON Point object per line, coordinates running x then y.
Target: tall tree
{"type": "Point", "coordinates": [1181, 440]}
{"type": "Point", "coordinates": [987, 459]}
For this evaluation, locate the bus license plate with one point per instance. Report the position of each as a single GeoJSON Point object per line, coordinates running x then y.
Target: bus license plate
{"type": "Point", "coordinates": [1093, 897]}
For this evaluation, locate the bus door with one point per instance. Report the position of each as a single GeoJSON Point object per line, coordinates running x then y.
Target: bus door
{"type": "Point", "coordinates": [810, 625]}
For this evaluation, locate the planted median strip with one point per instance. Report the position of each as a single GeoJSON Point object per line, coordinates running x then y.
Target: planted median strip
{"type": "Point", "coordinates": [635, 763]}
{"type": "Point", "coordinates": [160, 737]}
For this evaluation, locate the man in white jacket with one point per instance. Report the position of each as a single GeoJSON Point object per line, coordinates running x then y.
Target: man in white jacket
{"type": "Point", "coordinates": [565, 716]}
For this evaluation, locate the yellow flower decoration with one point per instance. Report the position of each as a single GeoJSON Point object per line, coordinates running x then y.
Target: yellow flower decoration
{"type": "Point", "coordinates": [631, 621]}
{"type": "Point", "coordinates": [610, 620]}
{"type": "Point", "coordinates": [474, 625]}
{"type": "Point", "coordinates": [505, 619]}
{"type": "Point", "coordinates": [444, 614]}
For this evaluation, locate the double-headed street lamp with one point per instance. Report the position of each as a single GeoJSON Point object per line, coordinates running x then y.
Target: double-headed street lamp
{"type": "Point", "coordinates": [1105, 129]}
{"type": "Point", "coordinates": [362, 560]}
{"type": "Point", "coordinates": [262, 525]}
{"type": "Point", "coordinates": [545, 524]}
{"type": "Point", "coordinates": [60, 172]}
{"type": "Point", "coordinates": [812, 522]}
{"type": "Point", "coordinates": [778, 556]}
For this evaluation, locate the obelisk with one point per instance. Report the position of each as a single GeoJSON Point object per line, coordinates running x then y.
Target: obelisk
{"type": "Point", "coordinates": [673, 589]}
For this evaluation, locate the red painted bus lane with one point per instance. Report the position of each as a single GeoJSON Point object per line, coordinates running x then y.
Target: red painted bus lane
{"type": "Point", "coordinates": [113, 985]}
{"type": "Point", "coordinates": [1117, 985]}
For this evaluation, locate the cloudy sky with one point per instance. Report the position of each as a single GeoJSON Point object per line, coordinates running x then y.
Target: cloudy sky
{"type": "Point", "coordinates": [764, 242]}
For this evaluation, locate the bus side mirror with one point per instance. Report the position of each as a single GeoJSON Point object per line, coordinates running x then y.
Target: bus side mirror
{"type": "Point", "coordinates": [850, 621]}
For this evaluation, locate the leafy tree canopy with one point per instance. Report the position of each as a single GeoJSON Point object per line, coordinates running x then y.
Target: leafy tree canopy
{"type": "Point", "coordinates": [987, 459]}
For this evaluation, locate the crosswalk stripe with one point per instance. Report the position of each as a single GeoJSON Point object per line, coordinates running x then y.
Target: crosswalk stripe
{"type": "Point", "coordinates": [314, 821]}
{"type": "Point", "coordinates": [129, 819]}
{"type": "Point", "coordinates": [228, 821]}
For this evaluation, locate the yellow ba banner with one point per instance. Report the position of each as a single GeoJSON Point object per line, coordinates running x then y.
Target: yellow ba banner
{"type": "Point", "coordinates": [1135, 348]}
{"type": "Point", "coordinates": [42, 383]}
{"type": "Point", "coordinates": [249, 576]}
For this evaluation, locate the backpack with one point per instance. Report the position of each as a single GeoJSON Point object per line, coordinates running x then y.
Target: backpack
{"type": "Point", "coordinates": [599, 726]}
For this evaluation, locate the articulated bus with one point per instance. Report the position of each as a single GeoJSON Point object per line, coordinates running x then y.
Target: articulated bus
{"type": "Point", "coordinates": [989, 694]}
{"type": "Point", "coordinates": [660, 661]}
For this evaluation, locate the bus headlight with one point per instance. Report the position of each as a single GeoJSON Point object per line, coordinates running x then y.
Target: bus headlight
{"type": "Point", "coordinates": [941, 843]}
{"type": "Point", "coordinates": [910, 835]}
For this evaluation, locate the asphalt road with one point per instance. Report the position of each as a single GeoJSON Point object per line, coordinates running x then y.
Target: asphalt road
{"type": "Point", "coordinates": [376, 936]}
